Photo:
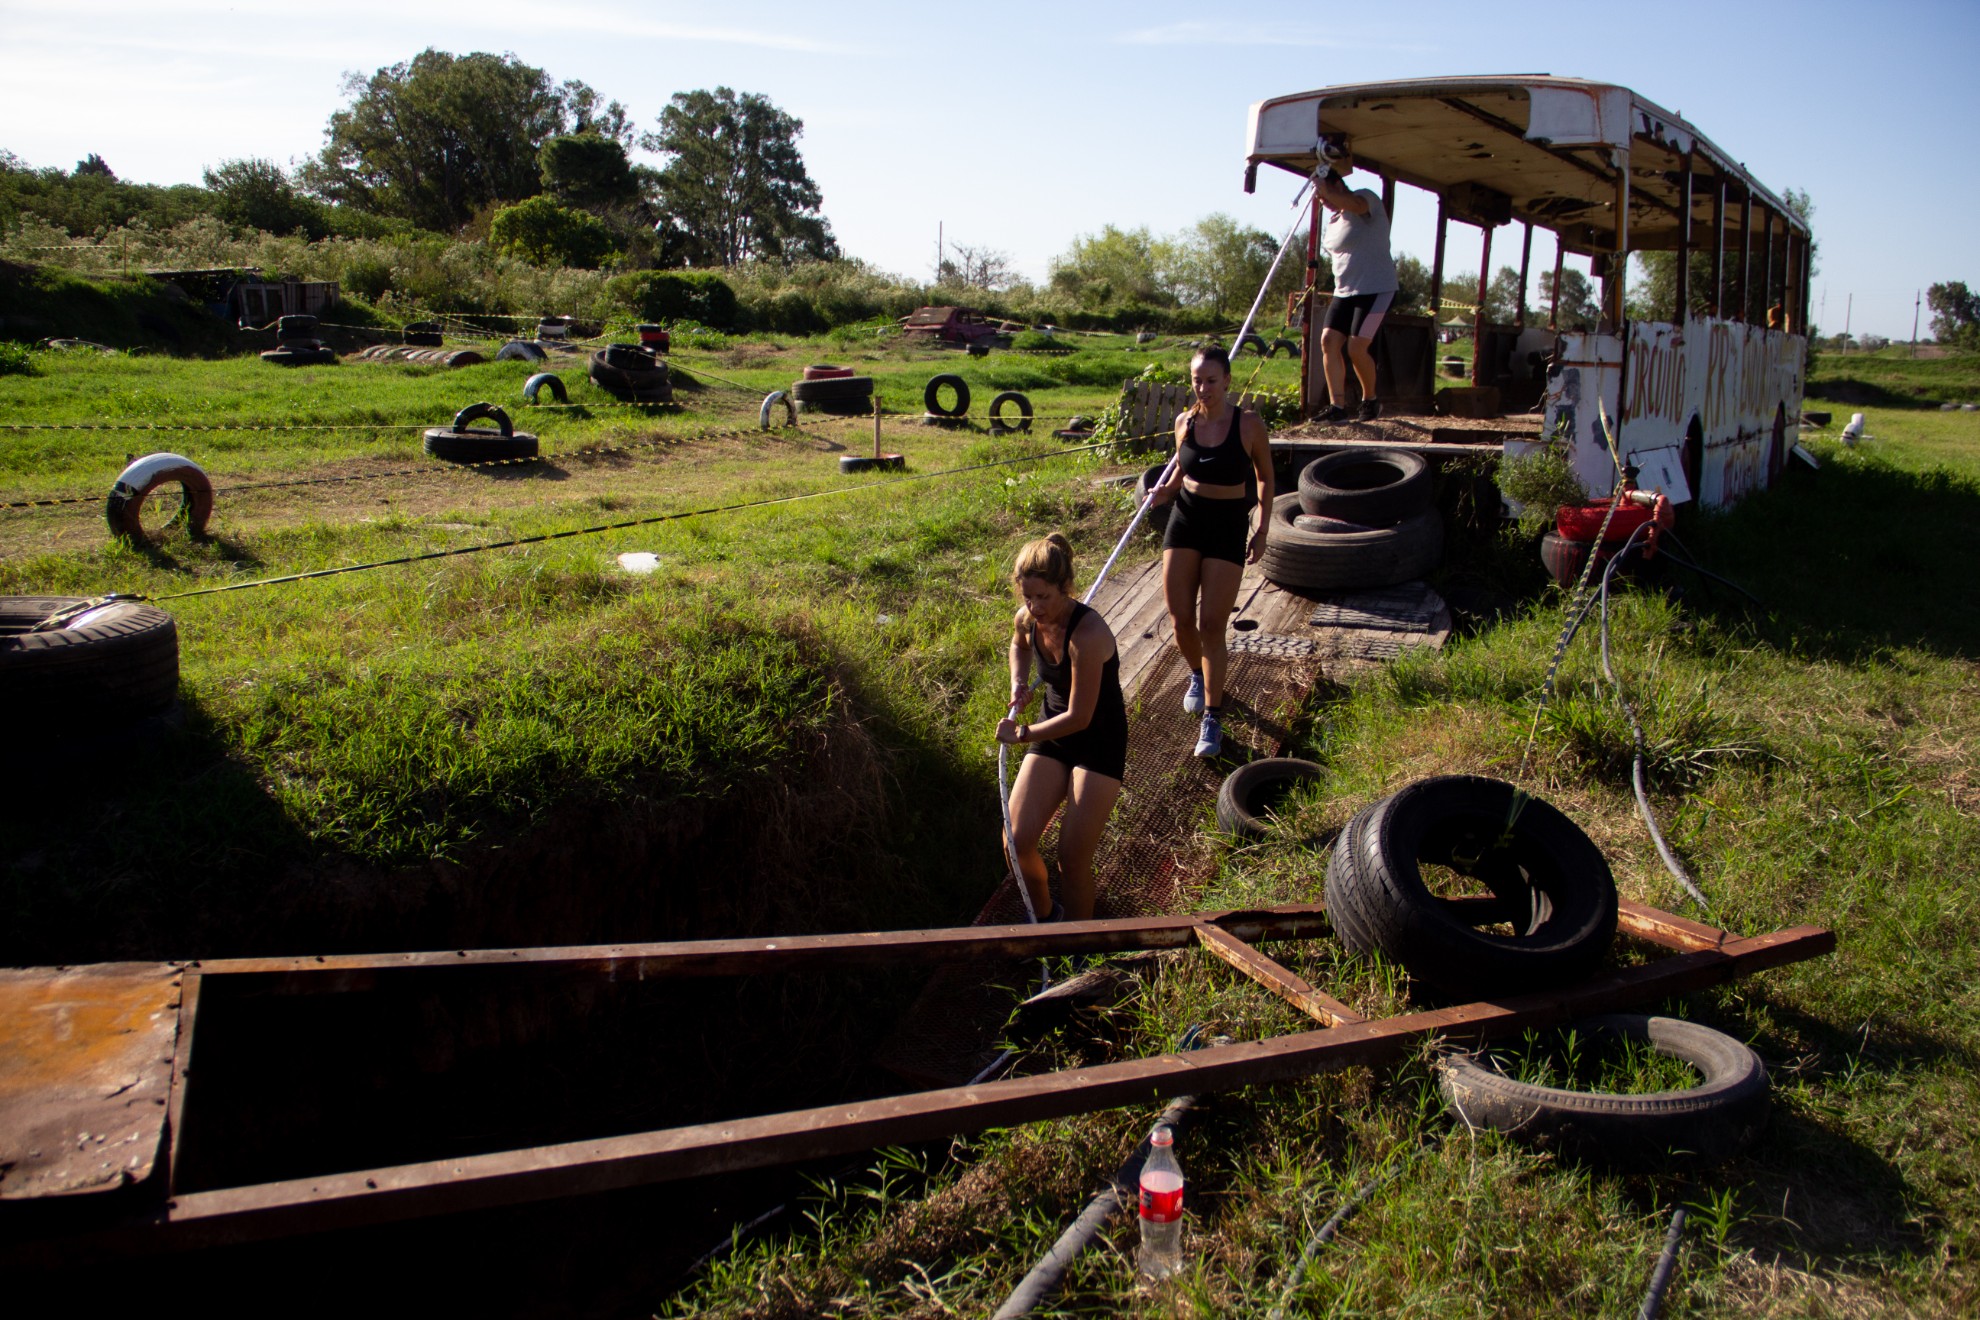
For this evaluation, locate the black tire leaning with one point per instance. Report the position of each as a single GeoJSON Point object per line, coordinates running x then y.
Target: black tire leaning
{"type": "Point", "coordinates": [1552, 885]}
{"type": "Point", "coordinates": [1710, 1121]}
{"type": "Point", "coordinates": [546, 378]}
{"type": "Point", "coordinates": [998, 426]}
{"type": "Point", "coordinates": [1342, 879]}
{"type": "Point", "coordinates": [1349, 561]}
{"type": "Point", "coordinates": [1245, 798]}
{"type": "Point", "coordinates": [1377, 488]}
{"type": "Point", "coordinates": [1158, 516]}
{"type": "Point", "coordinates": [834, 389]}
{"type": "Point", "coordinates": [521, 350]}
{"type": "Point", "coordinates": [105, 667]}
{"type": "Point", "coordinates": [1289, 346]}
{"type": "Point", "coordinates": [931, 397]}
{"type": "Point", "coordinates": [1255, 342]}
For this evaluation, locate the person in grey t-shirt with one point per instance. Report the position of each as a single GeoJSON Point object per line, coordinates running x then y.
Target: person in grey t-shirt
{"type": "Point", "coordinates": [1356, 237]}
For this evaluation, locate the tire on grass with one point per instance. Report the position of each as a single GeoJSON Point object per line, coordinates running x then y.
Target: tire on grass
{"type": "Point", "coordinates": [465, 443]}
{"type": "Point", "coordinates": [110, 665]}
{"type": "Point", "coordinates": [135, 483]}
{"type": "Point", "coordinates": [536, 383]}
{"type": "Point", "coordinates": [1246, 797]}
{"type": "Point", "coordinates": [1550, 885]}
{"type": "Point", "coordinates": [857, 390]}
{"type": "Point", "coordinates": [1377, 488]}
{"type": "Point", "coordinates": [998, 426]}
{"type": "Point", "coordinates": [1710, 1121]}
{"type": "Point", "coordinates": [521, 350]}
{"type": "Point", "coordinates": [1349, 561]}
{"type": "Point", "coordinates": [931, 397]}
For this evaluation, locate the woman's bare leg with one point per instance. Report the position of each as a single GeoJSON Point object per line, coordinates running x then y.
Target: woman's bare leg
{"type": "Point", "coordinates": [1221, 580]}
{"type": "Point", "coordinates": [1181, 576]}
{"type": "Point", "coordinates": [1088, 804]}
{"type": "Point", "coordinates": [1040, 788]}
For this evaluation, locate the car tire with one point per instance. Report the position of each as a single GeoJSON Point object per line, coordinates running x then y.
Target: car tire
{"type": "Point", "coordinates": [463, 442]}
{"type": "Point", "coordinates": [1349, 561]}
{"type": "Point", "coordinates": [521, 350]}
{"type": "Point", "coordinates": [539, 381]}
{"type": "Point", "coordinates": [1710, 1121]}
{"type": "Point", "coordinates": [135, 483]}
{"type": "Point", "coordinates": [1377, 488]}
{"type": "Point", "coordinates": [836, 389]}
{"type": "Point", "coordinates": [109, 665]}
{"type": "Point", "coordinates": [629, 372]}
{"type": "Point", "coordinates": [1550, 883]}
{"type": "Point", "coordinates": [931, 397]}
{"type": "Point", "coordinates": [998, 426]}
{"type": "Point", "coordinates": [1246, 797]}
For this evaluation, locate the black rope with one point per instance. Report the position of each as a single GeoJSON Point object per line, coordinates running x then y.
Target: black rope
{"type": "Point", "coordinates": [1660, 1278]}
{"type": "Point", "coordinates": [623, 525]}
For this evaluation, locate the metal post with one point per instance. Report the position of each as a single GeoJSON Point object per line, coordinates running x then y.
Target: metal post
{"type": "Point", "coordinates": [1437, 283]}
{"type": "Point", "coordinates": [1525, 263]}
{"type": "Point", "coordinates": [1746, 255]}
{"type": "Point", "coordinates": [1619, 260]}
{"type": "Point", "coordinates": [1684, 250]}
{"type": "Point", "coordinates": [1309, 347]}
{"type": "Point", "coordinates": [1554, 303]}
{"type": "Point", "coordinates": [1719, 246]}
{"type": "Point", "coordinates": [1767, 267]}
{"type": "Point", "coordinates": [1478, 313]}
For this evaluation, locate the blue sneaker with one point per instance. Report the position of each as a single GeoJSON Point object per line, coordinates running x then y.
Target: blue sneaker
{"type": "Point", "coordinates": [1193, 695]}
{"type": "Point", "coordinates": [1211, 740]}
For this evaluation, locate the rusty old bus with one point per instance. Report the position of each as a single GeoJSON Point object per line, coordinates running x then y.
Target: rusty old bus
{"type": "Point", "coordinates": [1702, 403]}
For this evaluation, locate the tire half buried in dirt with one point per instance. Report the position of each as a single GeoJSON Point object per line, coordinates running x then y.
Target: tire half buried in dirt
{"type": "Point", "coordinates": [1550, 887]}
{"type": "Point", "coordinates": [135, 483]}
{"type": "Point", "coordinates": [1712, 1120]}
{"type": "Point", "coordinates": [111, 664]}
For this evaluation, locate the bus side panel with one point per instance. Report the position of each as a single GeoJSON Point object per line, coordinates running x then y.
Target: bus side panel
{"type": "Point", "coordinates": [1587, 367]}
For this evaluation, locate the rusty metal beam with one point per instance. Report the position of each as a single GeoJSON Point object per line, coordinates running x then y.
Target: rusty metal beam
{"type": "Point", "coordinates": [513, 1177]}
{"type": "Point", "coordinates": [175, 1104]}
{"type": "Point", "coordinates": [1525, 265]}
{"type": "Point", "coordinates": [1281, 981]}
{"type": "Point", "coordinates": [1478, 318]}
{"type": "Point", "coordinates": [635, 962]}
{"type": "Point", "coordinates": [1666, 929]}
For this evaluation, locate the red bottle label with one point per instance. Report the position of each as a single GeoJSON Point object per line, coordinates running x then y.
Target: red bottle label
{"type": "Point", "coordinates": [1161, 1197]}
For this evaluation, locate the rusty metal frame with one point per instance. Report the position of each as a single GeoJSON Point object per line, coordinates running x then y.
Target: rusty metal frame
{"type": "Point", "coordinates": [1700, 956]}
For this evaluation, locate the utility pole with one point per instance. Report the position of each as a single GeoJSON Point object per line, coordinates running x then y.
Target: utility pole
{"type": "Point", "coordinates": [938, 251]}
{"type": "Point", "coordinates": [1848, 308]}
{"type": "Point", "coordinates": [1916, 303]}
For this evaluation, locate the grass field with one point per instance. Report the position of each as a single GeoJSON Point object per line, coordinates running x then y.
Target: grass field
{"type": "Point", "coordinates": [1812, 761]}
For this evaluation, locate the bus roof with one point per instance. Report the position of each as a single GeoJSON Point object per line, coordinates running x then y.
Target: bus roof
{"type": "Point", "coordinates": [1553, 146]}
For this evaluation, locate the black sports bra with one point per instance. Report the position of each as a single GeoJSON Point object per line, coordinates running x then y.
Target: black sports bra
{"type": "Point", "coordinates": [1223, 464]}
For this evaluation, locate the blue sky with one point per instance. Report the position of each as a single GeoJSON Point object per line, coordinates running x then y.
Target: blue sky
{"type": "Point", "coordinates": [1018, 125]}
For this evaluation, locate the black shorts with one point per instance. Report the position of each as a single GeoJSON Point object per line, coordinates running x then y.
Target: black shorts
{"type": "Point", "coordinates": [1098, 751]}
{"type": "Point", "coordinates": [1216, 529]}
{"type": "Point", "coordinates": [1358, 315]}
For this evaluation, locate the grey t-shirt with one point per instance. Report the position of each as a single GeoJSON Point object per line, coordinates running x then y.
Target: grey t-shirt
{"type": "Point", "coordinates": [1358, 247]}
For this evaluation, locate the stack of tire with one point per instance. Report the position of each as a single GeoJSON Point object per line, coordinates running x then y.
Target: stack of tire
{"type": "Point", "coordinates": [829, 389]}
{"type": "Point", "coordinates": [632, 372]}
{"type": "Point", "coordinates": [296, 344]}
{"type": "Point", "coordinates": [1566, 549]}
{"type": "Point", "coordinates": [1360, 519]}
{"type": "Point", "coordinates": [422, 334]}
{"type": "Point", "coordinates": [464, 442]}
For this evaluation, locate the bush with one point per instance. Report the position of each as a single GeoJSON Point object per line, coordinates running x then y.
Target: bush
{"type": "Point", "coordinates": [546, 234]}
{"type": "Point", "coordinates": [673, 295]}
{"type": "Point", "coordinates": [15, 360]}
{"type": "Point", "coordinates": [1040, 342]}
{"type": "Point", "coordinates": [1539, 483]}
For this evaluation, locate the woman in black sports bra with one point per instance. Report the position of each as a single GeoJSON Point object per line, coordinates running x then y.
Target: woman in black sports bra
{"type": "Point", "coordinates": [1079, 748]}
{"type": "Point", "coordinates": [1223, 470]}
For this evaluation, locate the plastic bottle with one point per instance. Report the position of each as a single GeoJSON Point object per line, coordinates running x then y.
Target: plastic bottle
{"type": "Point", "coordinates": [1161, 1209]}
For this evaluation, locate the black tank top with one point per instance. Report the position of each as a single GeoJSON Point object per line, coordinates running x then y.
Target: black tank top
{"type": "Point", "coordinates": [1222, 464]}
{"type": "Point", "coordinates": [1058, 675]}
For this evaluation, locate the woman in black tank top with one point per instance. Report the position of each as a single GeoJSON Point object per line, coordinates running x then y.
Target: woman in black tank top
{"type": "Point", "coordinates": [1079, 743]}
{"type": "Point", "coordinates": [1223, 471]}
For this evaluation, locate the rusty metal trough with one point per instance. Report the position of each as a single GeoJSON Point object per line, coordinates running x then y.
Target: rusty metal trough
{"type": "Point", "coordinates": [96, 1068]}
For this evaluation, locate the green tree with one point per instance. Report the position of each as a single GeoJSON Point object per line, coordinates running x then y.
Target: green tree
{"type": "Point", "coordinates": [1955, 314]}
{"type": "Point", "coordinates": [1577, 309]}
{"type": "Point", "coordinates": [1218, 264]}
{"type": "Point", "coordinates": [589, 171]}
{"type": "Point", "coordinates": [257, 194]}
{"type": "Point", "coordinates": [1114, 266]}
{"type": "Point", "coordinates": [94, 165]}
{"type": "Point", "coordinates": [546, 234]}
{"type": "Point", "coordinates": [734, 188]}
{"type": "Point", "coordinates": [439, 137]}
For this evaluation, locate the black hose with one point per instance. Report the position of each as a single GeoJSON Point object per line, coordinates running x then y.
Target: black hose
{"type": "Point", "coordinates": [1038, 1286]}
{"type": "Point", "coordinates": [1333, 1225]}
{"type": "Point", "coordinates": [1685, 561]}
{"type": "Point", "coordinates": [1660, 1278]}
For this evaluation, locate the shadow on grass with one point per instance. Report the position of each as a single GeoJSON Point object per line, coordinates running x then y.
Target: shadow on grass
{"type": "Point", "coordinates": [1850, 561]}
